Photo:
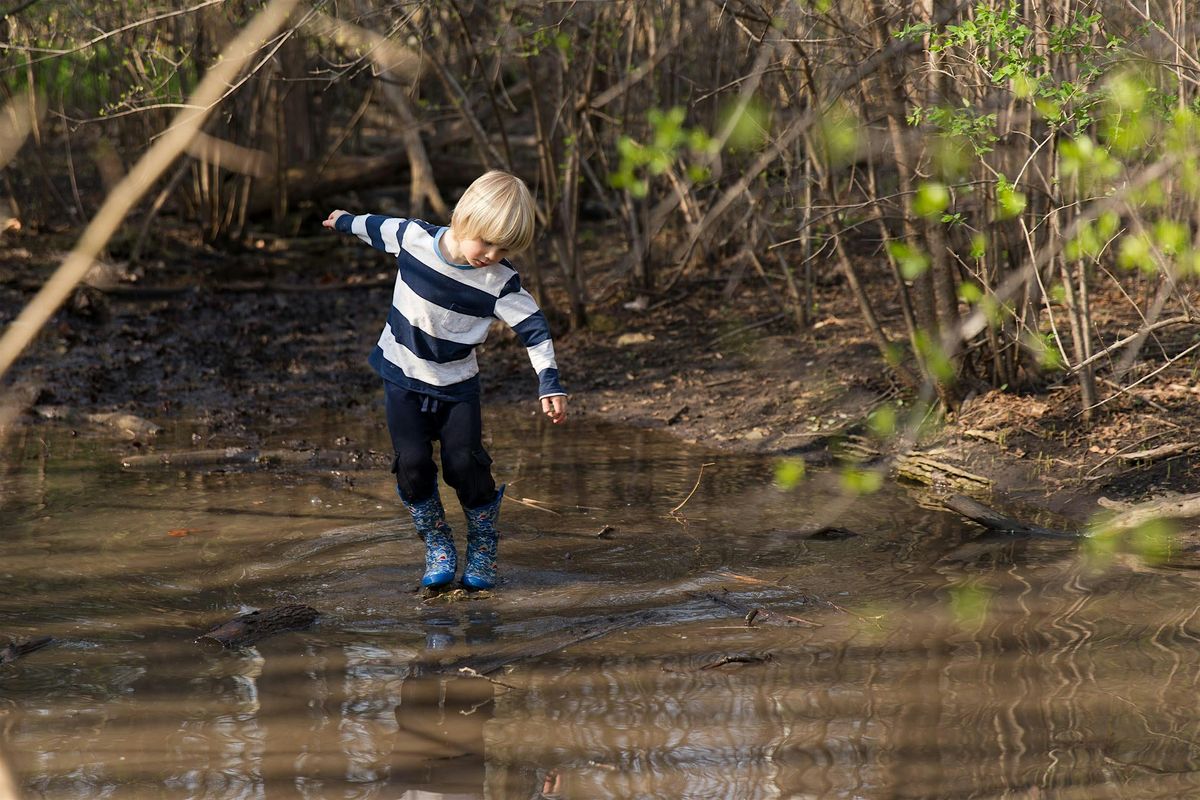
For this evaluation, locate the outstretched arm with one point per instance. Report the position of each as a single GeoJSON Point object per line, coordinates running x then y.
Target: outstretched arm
{"type": "Point", "coordinates": [379, 231]}
{"type": "Point", "coordinates": [331, 220]}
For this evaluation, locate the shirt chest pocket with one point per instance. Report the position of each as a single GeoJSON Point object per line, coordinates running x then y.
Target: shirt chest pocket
{"type": "Point", "coordinates": [457, 319]}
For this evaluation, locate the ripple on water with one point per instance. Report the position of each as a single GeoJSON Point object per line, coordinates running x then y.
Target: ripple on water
{"type": "Point", "coordinates": [940, 668]}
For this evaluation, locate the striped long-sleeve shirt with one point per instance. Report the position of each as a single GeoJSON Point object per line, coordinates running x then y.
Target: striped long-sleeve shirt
{"type": "Point", "coordinates": [441, 312]}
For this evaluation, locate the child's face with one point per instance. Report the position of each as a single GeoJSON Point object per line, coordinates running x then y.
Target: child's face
{"type": "Point", "coordinates": [481, 253]}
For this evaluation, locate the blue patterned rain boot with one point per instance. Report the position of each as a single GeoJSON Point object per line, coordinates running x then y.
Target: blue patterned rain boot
{"type": "Point", "coordinates": [441, 559]}
{"type": "Point", "coordinates": [480, 572]}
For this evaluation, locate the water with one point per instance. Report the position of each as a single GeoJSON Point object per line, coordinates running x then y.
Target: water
{"type": "Point", "coordinates": [918, 668]}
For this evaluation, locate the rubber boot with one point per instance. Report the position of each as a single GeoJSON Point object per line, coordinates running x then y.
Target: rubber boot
{"type": "Point", "coordinates": [441, 559]}
{"type": "Point", "coordinates": [480, 572]}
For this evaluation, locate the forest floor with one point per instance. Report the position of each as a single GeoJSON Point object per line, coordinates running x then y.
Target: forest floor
{"type": "Point", "coordinates": [245, 343]}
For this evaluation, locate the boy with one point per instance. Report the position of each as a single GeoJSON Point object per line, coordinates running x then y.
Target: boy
{"type": "Point", "coordinates": [450, 283]}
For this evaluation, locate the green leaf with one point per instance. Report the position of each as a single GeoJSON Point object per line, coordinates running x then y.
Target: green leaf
{"type": "Point", "coordinates": [1171, 237]}
{"type": "Point", "coordinates": [912, 261]}
{"type": "Point", "coordinates": [751, 125]}
{"type": "Point", "coordinates": [883, 421]}
{"type": "Point", "coordinates": [969, 292]}
{"type": "Point", "coordinates": [935, 358]}
{"type": "Point", "coordinates": [1154, 541]}
{"type": "Point", "coordinates": [932, 199]}
{"type": "Point", "coordinates": [1127, 92]}
{"type": "Point", "coordinates": [1107, 224]}
{"type": "Point", "coordinates": [1135, 252]}
{"type": "Point", "coordinates": [837, 137]}
{"type": "Point", "coordinates": [969, 604]}
{"type": "Point", "coordinates": [1011, 202]}
{"type": "Point", "coordinates": [978, 246]}
{"type": "Point", "coordinates": [861, 481]}
{"type": "Point", "coordinates": [789, 472]}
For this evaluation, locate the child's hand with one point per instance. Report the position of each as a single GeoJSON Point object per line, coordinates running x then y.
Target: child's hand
{"type": "Point", "coordinates": [332, 219]}
{"type": "Point", "coordinates": [555, 408]}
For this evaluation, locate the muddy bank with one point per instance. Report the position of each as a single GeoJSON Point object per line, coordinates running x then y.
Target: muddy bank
{"type": "Point", "coordinates": [245, 343]}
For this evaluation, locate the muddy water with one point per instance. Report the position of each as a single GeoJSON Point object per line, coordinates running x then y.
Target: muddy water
{"type": "Point", "coordinates": [914, 667]}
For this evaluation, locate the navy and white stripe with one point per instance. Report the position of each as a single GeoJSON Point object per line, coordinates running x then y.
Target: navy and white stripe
{"type": "Point", "coordinates": [441, 312]}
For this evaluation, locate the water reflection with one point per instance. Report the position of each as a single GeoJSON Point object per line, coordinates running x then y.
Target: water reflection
{"type": "Point", "coordinates": [943, 665]}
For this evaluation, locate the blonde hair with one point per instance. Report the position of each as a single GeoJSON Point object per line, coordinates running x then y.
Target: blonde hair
{"type": "Point", "coordinates": [496, 208]}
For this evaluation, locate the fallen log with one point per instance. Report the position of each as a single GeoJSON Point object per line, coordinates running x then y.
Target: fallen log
{"type": "Point", "coordinates": [995, 521]}
{"type": "Point", "coordinates": [317, 179]}
{"type": "Point", "coordinates": [247, 629]}
{"type": "Point", "coordinates": [23, 648]}
{"type": "Point", "coordinates": [916, 467]}
{"type": "Point", "coordinates": [1182, 507]}
{"type": "Point", "coordinates": [923, 469]}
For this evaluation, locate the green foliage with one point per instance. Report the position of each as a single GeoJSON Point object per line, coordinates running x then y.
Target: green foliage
{"type": "Point", "coordinates": [790, 472]}
{"type": "Point", "coordinates": [837, 136]}
{"type": "Point", "coordinates": [1154, 541]}
{"type": "Point", "coordinates": [1011, 202]}
{"type": "Point", "coordinates": [1082, 159]}
{"type": "Point", "coordinates": [959, 125]}
{"type": "Point", "coordinates": [1137, 252]}
{"type": "Point", "coordinates": [932, 199]}
{"type": "Point", "coordinates": [861, 481]}
{"type": "Point", "coordinates": [882, 422]}
{"type": "Point", "coordinates": [970, 293]}
{"type": "Point", "coordinates": [749, 126]}
{"type": "Point", "coordinates": [913, 261]}
{"type": "Point", "coordinates": [670, 140]}
{"type": "Point", "coordinates": [935, 358]}
{"type": "Point", "coordinates": [1045, 351]}
{"type": "Point", "coordinates": [969, 603]}
{"type": "Point", "coordinates": [998, 36]}
{"type": "Point", "coordinates": [1093, 237]}
{"type": "Point", "coordinates": [978, 246]}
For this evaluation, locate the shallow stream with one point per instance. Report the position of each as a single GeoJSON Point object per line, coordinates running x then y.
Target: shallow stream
{"type": "Point", "coordinates": [915, 663]}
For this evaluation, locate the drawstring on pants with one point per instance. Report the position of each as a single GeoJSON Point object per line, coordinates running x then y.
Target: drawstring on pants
{"type": "Point", "coordinates": [429, 405]}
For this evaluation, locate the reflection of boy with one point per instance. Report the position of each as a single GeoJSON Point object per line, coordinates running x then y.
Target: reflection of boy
{"type": "Point", "coordinates": [451, 282]}
{"type": "Point", "coordinates": [438, 745]}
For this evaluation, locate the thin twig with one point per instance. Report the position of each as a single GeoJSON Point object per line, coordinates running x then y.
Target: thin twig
{"type": "Point", "coordinates": [694, 488]}
{"type": "Point", "coordinates": [101, 37]}
{"type": "Point", "coordinates": [470, 673]}
{"type": "Point", "coordinates": [1141, 380]}
{"type": "Point", "coordinates": [525, 501]}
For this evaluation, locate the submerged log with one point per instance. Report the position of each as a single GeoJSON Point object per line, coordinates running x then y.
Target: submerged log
{"type": "Point", "coordinates": [23, 648]}
{"type": "Point", "coordinates": [247, 629]}
{"type": "Point", "coordinates": [239, 456]}
{"type": "Point", "coordinates": [995, 521]}
{"type": "Point", "coordinates": [553, 642]}
{"type": "Point", "coordinates": [758, 614]}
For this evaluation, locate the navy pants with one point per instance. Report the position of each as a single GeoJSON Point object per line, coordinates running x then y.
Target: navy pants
{"type": "Point", "coordinates": [415, 422]}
